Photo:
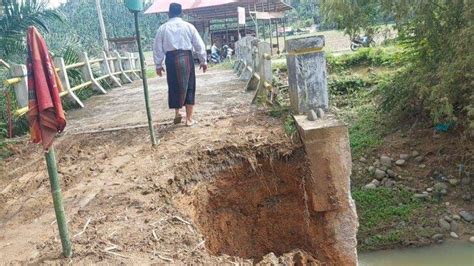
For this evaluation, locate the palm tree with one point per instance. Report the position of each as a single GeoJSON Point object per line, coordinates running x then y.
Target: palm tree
{"type": "Point", "coordinates": [15, 18]}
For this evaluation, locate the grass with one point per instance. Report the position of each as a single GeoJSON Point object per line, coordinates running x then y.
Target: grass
{"type": "Point", "coordinates": [388, 213]}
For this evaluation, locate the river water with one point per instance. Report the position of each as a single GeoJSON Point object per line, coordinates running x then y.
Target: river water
{"type": "Point", "coordinates": [448, 254]}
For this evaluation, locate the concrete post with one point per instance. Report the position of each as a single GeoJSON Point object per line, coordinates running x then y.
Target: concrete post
{"type": "Point", "coordinates": [59, 63]}
{"type": "Point", "coordinates": [248, 63]}
{"type": "Point", "coordinates": [87, 73]}
{"type": "Point", "coordinates": [307, 74]}
{"type": "Point", "coordinates": [331, 206]}
{"type": "Point", "coordinates": [20, 88]}
{"type": "Point", "coordinates": [105, 69]}
{"type": "Point", "coordinates": [129, 65]}
{"type": "Point", "coordinates": [119, 68]}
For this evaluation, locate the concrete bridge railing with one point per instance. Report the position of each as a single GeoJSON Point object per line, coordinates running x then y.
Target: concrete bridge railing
{"type": "Point", "coordinates": [115, 68]}
{"type": "Point", "coordinates": [254, 65]}
{"type": "Point", "coordinates": [325, 138]}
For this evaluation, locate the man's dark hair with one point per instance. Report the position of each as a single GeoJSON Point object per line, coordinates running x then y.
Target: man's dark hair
{"type": "Point", "coordinates": [175, 10]}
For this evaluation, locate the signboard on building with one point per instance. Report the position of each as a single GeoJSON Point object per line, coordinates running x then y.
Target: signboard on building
{"type": "Point", "coordinates": [241, 12]}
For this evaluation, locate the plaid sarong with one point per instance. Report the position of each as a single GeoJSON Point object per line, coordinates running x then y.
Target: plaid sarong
{"type": "Point", "coordinates": [181, 78]}
{"type": "Point", "coordinates": [46, 116]}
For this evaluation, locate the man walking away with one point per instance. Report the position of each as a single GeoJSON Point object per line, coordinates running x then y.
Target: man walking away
{"type": "Point", "coordinates": [176, 40]}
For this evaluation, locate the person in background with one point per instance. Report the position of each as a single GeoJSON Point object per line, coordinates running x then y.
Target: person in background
{"type": "Point", "coordinates": [174, 44]}
{"type": "Point", "coordinates": [215, 53]}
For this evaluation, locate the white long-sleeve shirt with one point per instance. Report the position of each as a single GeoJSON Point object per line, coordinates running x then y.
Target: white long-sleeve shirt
{"type": "Point", "coordinates": [177, 34]}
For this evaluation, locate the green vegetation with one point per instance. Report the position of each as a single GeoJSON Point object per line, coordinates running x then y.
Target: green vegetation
{"type": "Point", "coordinates": [390, 217]}
{"type": "Point", "coordinates": [81, 21]}
{"type": "Point", "coordinates": [436, 39]}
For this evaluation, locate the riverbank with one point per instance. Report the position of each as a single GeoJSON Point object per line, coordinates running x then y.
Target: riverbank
{"type": "Point", "coordinates": [411, 181]}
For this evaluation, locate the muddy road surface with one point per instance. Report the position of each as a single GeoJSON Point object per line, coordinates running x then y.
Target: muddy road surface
{"type": "Point", "coordinates": [127, 202]}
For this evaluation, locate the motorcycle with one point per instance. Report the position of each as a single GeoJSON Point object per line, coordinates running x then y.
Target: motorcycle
{"type": "Point", "coordinates": [214, 58]}
{"type": "Point", "coordinates": [362, 41]}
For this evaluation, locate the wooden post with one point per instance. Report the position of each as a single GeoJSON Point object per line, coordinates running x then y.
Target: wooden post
{"type": "Point", "coordinates": [105, 67]}
{"type": "Point", "coordinates": [88, 75]}
{"type": "Point", "coordinates": [59, 63]}
{"type": "Point", "coordinates": [58, 202]}
{"type": "Point", "coordinates": [119, 67]}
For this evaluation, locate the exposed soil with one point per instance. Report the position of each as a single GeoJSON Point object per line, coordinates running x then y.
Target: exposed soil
{"type": "Point", "coordinates": [127, 202]}
{"type": "Point", "coordinates": [244, 210]}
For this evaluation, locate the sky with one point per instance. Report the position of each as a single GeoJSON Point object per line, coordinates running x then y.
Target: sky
{"type": "Point", "coordinates": [55, 3]}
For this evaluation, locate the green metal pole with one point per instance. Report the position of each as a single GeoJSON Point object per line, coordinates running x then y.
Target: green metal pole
{"type": "Point", "coordinates": [145, 81]}
{"type": "Point", "coordinates": [58, 202]}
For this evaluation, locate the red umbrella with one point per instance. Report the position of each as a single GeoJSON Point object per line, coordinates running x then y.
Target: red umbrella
{"type": "Point", "coordinates": [162, 6]}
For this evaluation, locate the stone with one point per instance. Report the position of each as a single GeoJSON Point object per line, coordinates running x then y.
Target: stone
{"type": "Point", "coordinates": [447, 218]}
{"type": "Point", "coordinates": [389, 183]}
{"type": "Point", "coordinates": [370, 186]}
{"type": "Point", "coordinates": [444, 224]}
{"type": "Point", "coordinates": [320, 113]}
{"type": "Point", "coordinates": [362, 159]}
{"type": "Point", "coordinates": [471, 239]}
{"type": "Point", "coordinates": [456, 217]}
{"type": "Point", "coordinates": [376, 182]}
{"type": "Point", "coordinates": [454, 235]}
{"type": "Point", "coordinates": [371, 169]}
{"type": "Point", "coordinates": [466, 216]}
{"type": "Point", "coordinates": [379, 174]}
{"type": "Point", "coordinates": [270, 259]}
{"type": "Point", "coordinates": [444, 191]}
{"type": "Point", "coordinates": [467, 197]}
{"type": "Point", "coordinates": [307, 74]}
{"type": "Point", "coordinates": [386, 161]}
{"type": "Point", "coordinates": [400, 162]}
{"type": "Point", "coordinates": [421, 196]}
{"type": "Point", "coordinates": [440, 186]}
{"type": "Point", "coordinates": [454, 226]}
{"type": "Point", "coordinates": [430, 189]}
{"type": "Point", "coordinates": [312, 116]}
{"type": "Point", "coordinates": [415, 154]}
{"type": "Point", "coordinates": [405, 156]}
{"type": "Point", "coordinates": [454, 181]}
{"type": "Point", "coordinates": [466, 180]}
{"type": "Point", "coordinates": [438, 237]}
{"type": "Point", "coordinates": [391, 173]}
{"type": "Point", "coordinates": [419, 159]}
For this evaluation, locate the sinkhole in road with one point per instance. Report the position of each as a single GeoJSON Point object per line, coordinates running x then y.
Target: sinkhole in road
{"type": "Point", "coordinates": [252, 209]}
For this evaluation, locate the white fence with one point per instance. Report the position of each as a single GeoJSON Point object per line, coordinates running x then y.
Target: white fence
{"type": "Point", "coordinates": [116, 69]}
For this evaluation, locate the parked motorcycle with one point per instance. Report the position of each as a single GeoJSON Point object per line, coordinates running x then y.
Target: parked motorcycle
{"type": "Point", "coordinates": [362, 41]}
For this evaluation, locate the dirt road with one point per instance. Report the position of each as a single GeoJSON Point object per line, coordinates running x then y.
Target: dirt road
{"type": "Point", "coordinates": [129, 203]}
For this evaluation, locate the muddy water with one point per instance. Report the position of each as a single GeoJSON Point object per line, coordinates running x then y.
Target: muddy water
{"type": "Point", "coordinates": [449, 254]}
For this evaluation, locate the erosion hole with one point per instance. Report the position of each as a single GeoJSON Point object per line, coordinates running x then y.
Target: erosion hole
{"type": "Point", "coordinates": [249, 213]}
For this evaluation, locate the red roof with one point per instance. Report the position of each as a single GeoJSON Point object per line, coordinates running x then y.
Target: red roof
{"type": "Point", "coordinates": [161, 6]}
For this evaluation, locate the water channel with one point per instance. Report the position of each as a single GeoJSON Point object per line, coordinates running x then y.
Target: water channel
{"type": "Point", "coordinates": [448, 254]}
